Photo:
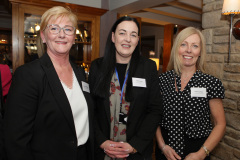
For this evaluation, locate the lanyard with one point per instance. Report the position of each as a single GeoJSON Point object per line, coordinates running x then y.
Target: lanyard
{"type": "Point", "coordinates": [123, 83]}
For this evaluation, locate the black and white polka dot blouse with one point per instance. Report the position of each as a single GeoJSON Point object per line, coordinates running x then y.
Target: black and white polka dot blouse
{"type": "Point", "coordinates": [184, 115]}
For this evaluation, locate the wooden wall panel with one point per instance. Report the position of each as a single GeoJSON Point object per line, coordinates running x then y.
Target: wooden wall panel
{"type": "Point", "coordinates": [15, 49]}
{"type": "Point", "coordinates": [167, 44]}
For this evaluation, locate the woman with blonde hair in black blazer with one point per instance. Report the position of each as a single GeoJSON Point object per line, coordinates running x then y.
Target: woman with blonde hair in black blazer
{"type": "Point", "coordinates": [126, 91]}
{"type": "Point", "coordinates": [49, 108]}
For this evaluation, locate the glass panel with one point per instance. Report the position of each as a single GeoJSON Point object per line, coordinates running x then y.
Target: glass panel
{"type": "Point", "coordinates": [83, 32]}
{"type": "Point", "coordinates": [32, 45]}
{"type": "Point", "coordinates": [81, 50]}
{"type": "Point", "coordinates": [76, 53]}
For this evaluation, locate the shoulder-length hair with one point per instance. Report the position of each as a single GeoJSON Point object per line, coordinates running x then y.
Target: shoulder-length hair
{"type": "Point", "coordinates": [174, 62]}
{"type": "Point", "coordinates": [109, 62]}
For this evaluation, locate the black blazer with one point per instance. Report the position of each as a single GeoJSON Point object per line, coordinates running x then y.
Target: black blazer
{"type": "Point", "coordinates": [1, 139]}
{"type": "Point", "coordinates": [144, 114]}
{"type": "Point", "coordinates": [39, 124]}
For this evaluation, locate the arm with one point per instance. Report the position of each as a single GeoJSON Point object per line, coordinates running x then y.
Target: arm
{"type": "Point", "coordinates": [92, 79]}
{"type": "Point", "coordinates": [217, 112]}
{"type": "Point", "coordinates": [20, 114]}
{"type": "Point", "coordinates": [152, 102]}
{"type": "Point", "coordinates": [160, 140]}
{"type": "Point", "coordinates": [166, 149]}
{"type": "Point", "coordinates": [6, 78]}
{"type": "Point", "coordinates": [1, 138]}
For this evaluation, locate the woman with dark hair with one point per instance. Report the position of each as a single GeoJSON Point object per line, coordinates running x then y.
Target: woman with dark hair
{"type": "Point", "coordinates": [126, 91]}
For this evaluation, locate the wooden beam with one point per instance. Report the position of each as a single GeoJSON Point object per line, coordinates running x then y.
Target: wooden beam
{"type": "Point", "coordinates": [169, 14]}
{"type": "Point", "coordinates": [75, 8]}
{"type": "Point", "coordinates": [153, 21]}
{"type": "Point", "coordinates": [185, 6]}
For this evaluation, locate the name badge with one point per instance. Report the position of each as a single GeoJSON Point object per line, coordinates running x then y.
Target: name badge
{"type": "Point", "coordinates": [139, 82]}
{"type": "Point", "coordinates": [85, 87]}
{"type": "Point", "coordinates": [198, 92]}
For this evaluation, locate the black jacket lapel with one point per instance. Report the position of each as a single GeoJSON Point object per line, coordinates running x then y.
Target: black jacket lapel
{"type": "Point", "coordinates": [57, 89]}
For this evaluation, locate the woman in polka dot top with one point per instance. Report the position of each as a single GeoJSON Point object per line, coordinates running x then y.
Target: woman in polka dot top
{"type": "Point", "coordinates": [190, 96]}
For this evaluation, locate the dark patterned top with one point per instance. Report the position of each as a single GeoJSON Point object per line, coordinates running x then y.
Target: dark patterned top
{"type": "Point", "coordinates": [184, 115]}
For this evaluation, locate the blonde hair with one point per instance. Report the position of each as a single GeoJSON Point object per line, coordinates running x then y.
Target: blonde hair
{"type": "Point", "coordinates": [174, 62]}
{"type": "Point", "coordinates": [55, 13]}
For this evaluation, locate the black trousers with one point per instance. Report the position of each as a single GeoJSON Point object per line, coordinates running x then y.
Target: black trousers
{"type": "Point", "coordinates": [82, 153]}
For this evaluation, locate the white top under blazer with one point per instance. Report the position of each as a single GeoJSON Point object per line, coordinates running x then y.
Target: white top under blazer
{"type": "Point", "coordinates": [79, 110]}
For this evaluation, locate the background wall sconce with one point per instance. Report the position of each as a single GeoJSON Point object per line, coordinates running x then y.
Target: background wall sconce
{"type": "Point", "coordinates": [230, 7]}
{"type": "Point", "coordinates": [236, 30]}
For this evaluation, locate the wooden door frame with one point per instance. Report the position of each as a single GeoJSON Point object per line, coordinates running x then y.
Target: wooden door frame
{"type": "Point", "coordinates": [20, 7]}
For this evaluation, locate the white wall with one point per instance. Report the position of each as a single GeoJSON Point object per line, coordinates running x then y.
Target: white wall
{"type": "Point", "coordinates": [90, 3]}
{"type": "Point", "coordinates": [113, 4]}
{"type": "Point", "coordinates": [158, 32]}
{"type": "Point", "coordinates": [107, 20]}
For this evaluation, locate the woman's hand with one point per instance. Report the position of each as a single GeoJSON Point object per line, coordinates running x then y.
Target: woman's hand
{"type": "Point", "coordinates": [116, 149]}
{"type": "Point", "coordinates": [170, 153]}
{"type": "Point", "coordinates": [195, 156]}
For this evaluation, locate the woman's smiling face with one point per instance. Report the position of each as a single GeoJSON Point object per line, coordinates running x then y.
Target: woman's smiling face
{"type": "Point", "coordinates": [60, 43]}
{"type": "Point", "coordinates": [125, 39]}
{"type": "Point", "coordinates": [190, 50]}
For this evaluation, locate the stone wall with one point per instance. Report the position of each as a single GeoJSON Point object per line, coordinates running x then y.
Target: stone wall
{"type": "Point", "coordinates": [216, 31]}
